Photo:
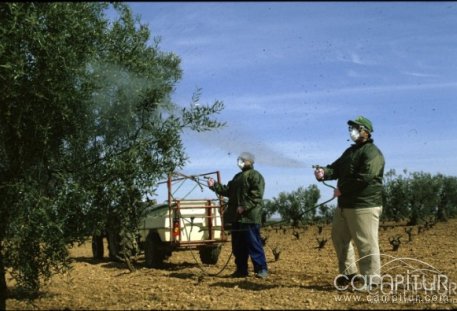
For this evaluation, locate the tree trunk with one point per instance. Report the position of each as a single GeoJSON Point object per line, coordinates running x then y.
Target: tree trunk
{"type": "Point", "coordinates": [3, 288]}
{"type": "Point", "coordinates": [441, 214]}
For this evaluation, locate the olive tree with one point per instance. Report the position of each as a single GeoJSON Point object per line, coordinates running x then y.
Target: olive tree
{"type": "Point", "coordinates": [447, 197]}
{"type": "Point", "coordinates": [87, 126]}
{"type": "Point", "coordinates": [423, 197]}
{"type": "Point", "coordinates": [396, 194]}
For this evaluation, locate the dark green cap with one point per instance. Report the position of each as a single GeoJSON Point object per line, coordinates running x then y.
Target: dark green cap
{"type": "Point", "coordinates": [362, 121]}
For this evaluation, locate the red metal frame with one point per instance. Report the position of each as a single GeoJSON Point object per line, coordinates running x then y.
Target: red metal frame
{"type": "Point", "coordinates": [173, 210]}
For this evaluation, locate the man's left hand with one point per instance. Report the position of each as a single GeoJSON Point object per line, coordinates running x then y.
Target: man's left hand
{"type": "Point", "coordinates": [240, 210]}
{"type": "Point", "coordinates": [210, 182]}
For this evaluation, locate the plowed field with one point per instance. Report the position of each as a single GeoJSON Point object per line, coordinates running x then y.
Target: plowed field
{"type": "Point", "coordinates": [302, 277]}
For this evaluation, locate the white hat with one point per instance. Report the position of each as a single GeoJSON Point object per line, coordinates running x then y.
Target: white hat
{"type": "Point", "coordinates": [247, 156]}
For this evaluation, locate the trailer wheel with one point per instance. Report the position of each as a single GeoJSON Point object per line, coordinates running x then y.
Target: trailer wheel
{"type": "Point", "coordinates": [97, 247]}
{"type": "Point", "coordinates": [210, 254]}
{"type": "Point", "coordinates": [154, 254]}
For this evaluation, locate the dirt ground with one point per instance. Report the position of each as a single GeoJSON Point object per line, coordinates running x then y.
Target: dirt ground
{"type": "Point", "coordinates": [302, 277]}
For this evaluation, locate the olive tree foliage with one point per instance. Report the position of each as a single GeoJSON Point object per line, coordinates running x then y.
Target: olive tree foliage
{"type": "Point", "coordinates": [87, 127]}
{"type": "Point", "coordinates": [447, 197]}
{"type": "Point", "coordinates": [396, 201]}
{"type": "Point", "coordinates": [297, 206]}
{"type": "Point", "coordinates": [423, 188]}
{"type": "Point", "coordinates": [326, 213]}
{"type": "Point", "coordinates": [418, 196]}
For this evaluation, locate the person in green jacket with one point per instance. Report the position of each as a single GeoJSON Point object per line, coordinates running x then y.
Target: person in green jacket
{"type": "Point", "coordinates": [359, 171]}
{"type": "Point", "coordinates": [244, 213]}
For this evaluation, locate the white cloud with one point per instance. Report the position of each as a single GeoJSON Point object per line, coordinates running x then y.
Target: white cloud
{"type": "Point", "coordinates": [420, 75]}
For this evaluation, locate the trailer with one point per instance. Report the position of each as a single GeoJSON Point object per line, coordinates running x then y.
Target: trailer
{"type": "Point", "coordinates": [182, 224]}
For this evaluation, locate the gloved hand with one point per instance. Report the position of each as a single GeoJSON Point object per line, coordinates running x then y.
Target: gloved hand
{"type": "Point", "coordinates": [211, 182]}
{"type": "Point", "coordinates": [319, 173]}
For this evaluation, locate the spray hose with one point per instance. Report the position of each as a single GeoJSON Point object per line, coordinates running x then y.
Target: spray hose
{"type": "Point", "coordinates": [200, 266]}
{"type": "Point", "coordinates": [315, 206]}
{"type": "Point", "coordinates": [310, 209]}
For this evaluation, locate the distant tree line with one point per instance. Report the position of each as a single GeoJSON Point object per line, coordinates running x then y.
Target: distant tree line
{"type": "Point", "coordinates": [298, 207]}
{"type": "Point", "coordinates": [416, 196]}
{"type": "Point", "coordinates": [411, 197]}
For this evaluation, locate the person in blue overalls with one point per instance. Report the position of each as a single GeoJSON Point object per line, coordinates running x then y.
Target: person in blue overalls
{"type": "Point", "coordinates": [244, 213]}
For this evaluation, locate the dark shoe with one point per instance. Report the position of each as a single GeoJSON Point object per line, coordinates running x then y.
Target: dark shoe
{"type": "Point", "coordinates": [238, 274]}
{"type": "Point", "coordinates": [263, 274]}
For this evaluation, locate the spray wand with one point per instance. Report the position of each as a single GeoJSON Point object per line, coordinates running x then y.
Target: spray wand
{"type": "Point", "coordinates": [315, 206]}
{"type": "Point", "coordinates": [323, 181]}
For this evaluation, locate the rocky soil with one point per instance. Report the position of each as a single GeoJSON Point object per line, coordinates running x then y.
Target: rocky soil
{"type": "Point", "coordinates": [302, 277]}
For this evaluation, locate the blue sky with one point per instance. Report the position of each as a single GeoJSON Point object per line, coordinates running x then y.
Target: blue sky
{"type": "Point", "coordinates": [291, 74]}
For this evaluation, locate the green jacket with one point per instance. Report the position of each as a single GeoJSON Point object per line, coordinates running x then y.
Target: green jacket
{"type": "Point", "coordinates": [246, 190]}
{"type": "Point", "coordinates": [360, 171]}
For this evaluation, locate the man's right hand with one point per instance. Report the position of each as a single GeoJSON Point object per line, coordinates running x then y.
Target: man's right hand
{"type": "Point", "coordinates": [210, 182]}
{"type": "Point", "coordinates": [319, 174]}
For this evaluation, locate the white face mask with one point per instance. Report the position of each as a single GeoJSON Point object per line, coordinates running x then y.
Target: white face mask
{"type": "Point", "coordinates": [240, 164]}
{"type": "Point", "coordinates": [355, 134]}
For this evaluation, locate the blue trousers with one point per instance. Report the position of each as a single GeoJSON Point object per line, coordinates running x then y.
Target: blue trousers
{"type": "Point", "coordinates": [246, 243]}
